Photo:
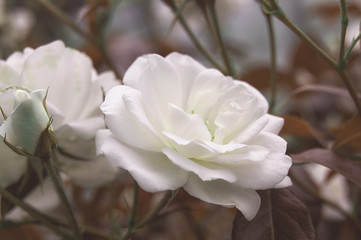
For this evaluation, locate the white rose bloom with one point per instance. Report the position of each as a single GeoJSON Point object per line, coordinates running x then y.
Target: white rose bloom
{"type": "Point", "coordinates": [75, 94]}
{"type": "Point", "coordinates": [178, 124]}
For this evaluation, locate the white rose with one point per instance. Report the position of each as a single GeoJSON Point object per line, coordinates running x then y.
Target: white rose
{"type": "Point", "coordinates": [75, 94]}
{"type": "Point", "coordinates": [177, 124]}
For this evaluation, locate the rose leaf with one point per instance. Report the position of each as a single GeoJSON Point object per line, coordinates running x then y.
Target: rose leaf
{"type": "Point", "coordinates": [281, 216]}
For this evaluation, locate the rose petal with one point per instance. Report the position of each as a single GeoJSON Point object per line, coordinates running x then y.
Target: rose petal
{"type": "Point", "coordinates": [91, 173]}
{"type": "Point", "coordinates": [245, 153]}
{"type": "Point", "coordinates": [209, 84]}
{"type": "Point", "coordinates": [125, 117]}
{"type": "Point", "coordinates": [67, 74]}
{"type": "Point", "coordinates": [270, 141]}
{"type": "Point", "coordinates": [100, 138]}
{"type": "Point", "coordinates": [187, 69]}
{"type": "Point", "coordinates": [223, 193]}
{"type": "Point", "coordinates": [27, 122]}
{"type": "Point", "coordinates": [152, 171]}
{"type": "Point", "coordinates": [87, 128]}
{"type": "Point", "coordinates": [213, 152]}
{"type": "Point", "coordinates": [252, 130]}
{"type": "Point", "coordinates": [9, 76]}
{"type": "Point", "coordinates": [100, 85]}
{"type": "Point", "coordinates": [17, 59]}
{"type": "Point", "coordinates": [158, 82]}
{"type": "Point", "coordinates": [12, 165]}
{"type": "Point", "coordinates": [261, 175]}
{"type": "Point", "coordinates": [189, 126]}
{"type": "Point", "coordinates": [205, 170]}
{"type": "Point", "coordinates": [274, 125]}
{"type": "Point", "coordinates": [286, 182]}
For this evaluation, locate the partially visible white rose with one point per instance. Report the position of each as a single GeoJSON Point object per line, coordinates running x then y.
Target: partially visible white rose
{"type": "Point", "coordinates": [22, 129]}
{"type": "Point", "coordinates": [177, 124]}
{"type": "Point", "coordinates": [75, 94]}
{"type": "Point", "coordinates": [12, 165]}
{"type": "Point", "coordinates": [331, 186]}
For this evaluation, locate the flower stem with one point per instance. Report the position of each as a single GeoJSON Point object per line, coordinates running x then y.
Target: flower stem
{"type": "Point", "coordinates": [272, 7]}
{"type": "Point", "coordinates": [55, 11]}
{"type": "Point", "coordinates": [280, 15]}
{"type": "Point", "coordinates": [34, 213]}
{"type": "Point", "coordinates": [194, 39]}
{"type": "Point", "coordinates": [349, 50]}
{"type": "Point", "coordinates": [168, 196]}
{"type": "Point", "coordinates": [344, 23]}
{"type": "Point", "coordinates": [274, 80]}
{"type": "Point", "coordinates": [225, 55]}
{"type": "Point", "coordinates": [132, 218]}
{"type": "Point", "coordinates": [54, 175]}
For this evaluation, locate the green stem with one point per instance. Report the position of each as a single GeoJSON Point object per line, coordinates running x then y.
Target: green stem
{"type": "Point", "coordinates": [90, 38]}
{"type": "Point", "coordinates": [278, 12]}
{"type": "Point", "coordinates": [60, 191]}
{"type": "Point", "coordinates": [274, 80]}
{"type": "Point", "coordinates": [132, 217]}
{"type": "Point", "coordinates": [355, 200]}
{"type": "Point", "coordinates": [269, 206]}
{"type": "Point", "coordinates": [280, 15]}
{"type": "Point", "coordinates": [225, 55]}
{"type": "Point", "coordinates": [344, 23]}
{"type": "Point", "coordinates": [195, 40]}
{"type": "Point", "coordinates": [168, 196]}
{"type": "Point", "coordinates": [335, 206]}
{"type": "Point", "coordinates": [349, 50]}
{"type": "Point", "coordinates": [34, 213]}
{"type": "Point", "coordinates": [351, 89]}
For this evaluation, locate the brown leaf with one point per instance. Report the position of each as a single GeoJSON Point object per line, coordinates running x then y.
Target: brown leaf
{"type": "Point", "coordinates": [296, 126]}
{"type": "Point", "coordinates": [348, 136]}
{"type": "Point", "coordinates": [321, 88]}
{"type": "Point", "coordinates": [24, 232]}
{"type": "Point", "coordinates": [282, 216]}
{"type": "Point", "coordinates": [332, 10]}
{"type": "Point", "coordinates": [259, 77]}
{"type": "Point", "coordinates": [351, 169]}
{"type": "Point", "coordinates": [301, 60]}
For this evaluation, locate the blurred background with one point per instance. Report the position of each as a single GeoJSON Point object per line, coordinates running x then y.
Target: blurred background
{"type": "Point", "coordinates": [115, 32]}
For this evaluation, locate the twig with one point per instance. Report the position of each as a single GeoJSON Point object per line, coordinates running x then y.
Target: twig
{"type": "Point", "coordinates": [32, 212]}
{"type": "Point", "coordinates": [60, 191]}
{"type": "Point", "coordinates": [132, 217]}
{"type": "Point", "coordinates": [273, 53]}
{"type": "Point", "coordinates": [344, 23]}
{"type": "Point", "coordinates": [194, 39]}
{"type": "Point", "coordinates": [225, 55]}
{"type": "Point", "coordinates": [349, 50]}
{"type": "Point", "coordinates": [168, 196]}
{"type": "Point", "coordinates": [278, 12]}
